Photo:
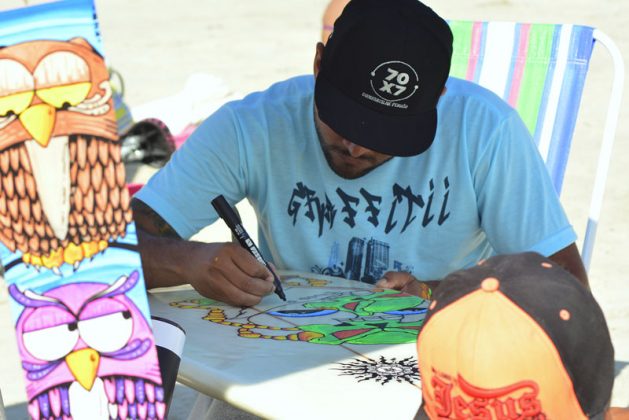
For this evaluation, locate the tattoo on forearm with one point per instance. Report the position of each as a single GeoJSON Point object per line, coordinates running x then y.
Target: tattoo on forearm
{"type": "Point", "coordinates": [148, 220]}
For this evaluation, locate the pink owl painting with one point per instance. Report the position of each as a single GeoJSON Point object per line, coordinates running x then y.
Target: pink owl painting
{"type": "Point", "coordinates": [85, 348]}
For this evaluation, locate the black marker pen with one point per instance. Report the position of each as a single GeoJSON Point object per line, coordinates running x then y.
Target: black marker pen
{"type": "Point", "coordinates": [227, 213]}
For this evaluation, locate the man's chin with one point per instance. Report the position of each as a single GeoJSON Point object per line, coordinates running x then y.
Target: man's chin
{"type": "Point", "coordinates": [350, 172]}
{"type": "Point", "coordinates": [347, 167]}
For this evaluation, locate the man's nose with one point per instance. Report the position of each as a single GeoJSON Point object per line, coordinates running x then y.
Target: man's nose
{"type": "Point", "coordinates": [354, 149]}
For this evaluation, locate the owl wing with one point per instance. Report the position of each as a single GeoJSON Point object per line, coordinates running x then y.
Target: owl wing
{"type": "Point", "coordinates": [99, 208]}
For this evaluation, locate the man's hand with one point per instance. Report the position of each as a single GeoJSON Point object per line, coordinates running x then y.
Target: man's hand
{"type": "Point", "coordinates": [405, 282]}
{"type": "Point", "coordinates": [221, 271]}
{"type": "Point", "coordinates": [227, 272]}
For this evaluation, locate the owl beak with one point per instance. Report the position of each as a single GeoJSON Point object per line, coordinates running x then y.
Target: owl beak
{"type": "Point", "coordinates": [39, 121]}
{"type": "Point", "coordinates": [84, 366]}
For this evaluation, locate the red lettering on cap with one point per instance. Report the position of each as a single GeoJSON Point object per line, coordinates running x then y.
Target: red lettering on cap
{"type": "Point", "coordinates": [459, 399]}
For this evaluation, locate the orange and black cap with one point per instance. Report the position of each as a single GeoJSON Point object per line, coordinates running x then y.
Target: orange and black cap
{"type": "Point", "coordinates": [515, 335]}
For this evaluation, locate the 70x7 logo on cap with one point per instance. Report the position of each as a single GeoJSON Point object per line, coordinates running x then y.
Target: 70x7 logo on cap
{"type": "Point", "coordinates": [394, 81]}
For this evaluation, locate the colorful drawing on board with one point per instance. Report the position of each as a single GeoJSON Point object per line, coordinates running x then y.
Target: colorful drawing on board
{"type": "Point", "coordinates": [67, 241]}
{"type": "Point", "coordinates": [64, 194]}
{"type": "Point", "coordinates": [85, 347]}
{"type": "Point", "coordinates": [324, 316]}
{"type": "Point", "coordinates": [382, 370]}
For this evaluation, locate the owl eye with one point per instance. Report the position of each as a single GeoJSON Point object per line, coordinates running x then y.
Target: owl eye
{"type": "Point", "coordinates": [16, 87]}
{"type": "Point", "coordinates": [107, 333]}
{"type": "Point", "coordinates": [61, 96]}
{"type": "Point", "coordinates": [62, 78]}
{"type": "Point", "coordinates": [51, 343]}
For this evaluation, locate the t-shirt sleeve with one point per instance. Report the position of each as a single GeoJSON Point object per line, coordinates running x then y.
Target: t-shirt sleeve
{"type": "Point", "coordinates": [518, 205]}
{"type": "Point", "coordinates": [208, 164]}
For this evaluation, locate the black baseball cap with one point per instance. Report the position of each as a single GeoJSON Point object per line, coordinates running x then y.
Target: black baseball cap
{"type": "Point", "coordinates": [520, 331]}
{"type": "Point", "coordinates": [382, 72]}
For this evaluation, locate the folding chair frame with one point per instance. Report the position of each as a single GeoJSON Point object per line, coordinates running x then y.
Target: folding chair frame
{"type": "Point", "coordinates": [611, 121]}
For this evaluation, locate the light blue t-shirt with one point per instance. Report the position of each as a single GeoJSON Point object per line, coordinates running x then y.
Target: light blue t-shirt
{"type": "Point", "coordinates": [479, 190]}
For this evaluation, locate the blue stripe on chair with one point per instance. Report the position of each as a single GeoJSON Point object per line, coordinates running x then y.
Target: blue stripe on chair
{"type": "Point", "coordinates": [580, 51]}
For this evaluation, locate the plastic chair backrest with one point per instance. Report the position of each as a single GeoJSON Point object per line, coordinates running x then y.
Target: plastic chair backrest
{"type": "Point", "coordinates": [540, 70]}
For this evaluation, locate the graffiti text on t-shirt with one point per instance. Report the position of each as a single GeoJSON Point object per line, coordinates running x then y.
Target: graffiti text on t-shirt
{"type": "Point", "coordinates": [322, 210]}
{"type": "Point", "coordinates": [403, 207]}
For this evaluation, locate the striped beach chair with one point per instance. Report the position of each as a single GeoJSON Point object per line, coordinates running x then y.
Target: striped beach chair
{"type": "Point", "coordinates": [540, 70]}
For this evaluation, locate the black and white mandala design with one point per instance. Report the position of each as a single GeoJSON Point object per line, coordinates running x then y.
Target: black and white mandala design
{"type": "Point", "coordinates": [383, 370]}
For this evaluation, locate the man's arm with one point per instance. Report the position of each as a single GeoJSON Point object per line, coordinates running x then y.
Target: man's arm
{"type": "Point", "coordinates": [222, 271]}
{"type": "Point", "coordinates": [148, 221]}
{"type": "Point", "coordinates": [570, 260]}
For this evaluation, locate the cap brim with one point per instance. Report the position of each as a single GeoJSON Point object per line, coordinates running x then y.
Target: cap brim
{"type": "Point", "coordinates": [395, 135]}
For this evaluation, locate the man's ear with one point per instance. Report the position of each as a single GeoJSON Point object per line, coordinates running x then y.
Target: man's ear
{"type": "Point", "coordinates": [317, 59]}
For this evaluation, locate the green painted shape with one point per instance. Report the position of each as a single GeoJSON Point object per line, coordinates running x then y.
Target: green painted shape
{"type": "Point", "coordinates": [380, 332]}
{"type": "Point", "coordinates": [385, 301]}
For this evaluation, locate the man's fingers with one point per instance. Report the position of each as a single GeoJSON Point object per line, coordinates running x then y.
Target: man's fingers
{"type": "Point", "coordinates": [239, 297]}
{"type": "Point", "coordinates": [249, 275]}
{"type": "Point", "coordinates": [246, 299]}
{"type": "Point", "coordinates": [244, 283]}
{"type": "Point", "coordinates": [255, 286]}
{"type": "Point", "coordinates": [383, 283]}
{"type": "Point", "coordinates": [394, 280]}
{"type": "Point", "coordinates": [249, 265]}
{"type": "Point", "coordinates": [238, 289]}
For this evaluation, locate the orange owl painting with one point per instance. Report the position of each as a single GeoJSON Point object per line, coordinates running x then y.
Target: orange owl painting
{"type": "Point", "coordinates": [63, 194]}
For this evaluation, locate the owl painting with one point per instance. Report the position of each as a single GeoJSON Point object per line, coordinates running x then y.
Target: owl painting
{"type": "Point", "coordinates": [88, 353]}
{"type": "Point", "coordinates": [63, 195]}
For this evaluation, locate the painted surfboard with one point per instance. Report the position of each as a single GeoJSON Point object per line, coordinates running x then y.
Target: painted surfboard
{"type": "Point", "coordinates": [67, 240]}
{"type": "Point", "coordinates": [335, 349]}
